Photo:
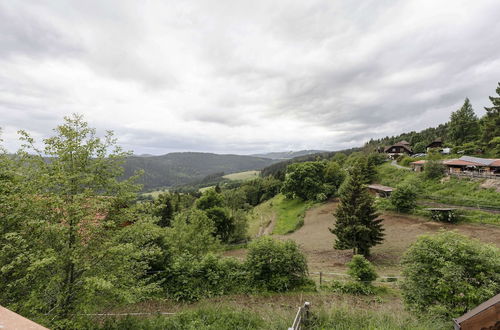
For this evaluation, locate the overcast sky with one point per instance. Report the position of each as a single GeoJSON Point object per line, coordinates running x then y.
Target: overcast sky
{"type": "Point", "coordinates": [244, 76]}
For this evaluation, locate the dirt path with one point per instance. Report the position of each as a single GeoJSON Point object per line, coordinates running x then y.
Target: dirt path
{"type": "Point", "coordinates": [268, 229]}
{"type": "Point", "coordinates": [400, 231]}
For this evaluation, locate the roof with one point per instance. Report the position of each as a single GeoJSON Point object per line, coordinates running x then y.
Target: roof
{"type": "Point", "coordinates": [403, 142]}
{"type": "Point", "coordinates": [11, 320]}
{"type": "Point", "coordinates": [459, 162]}
{"type": "Point", "coordinates": [418, 162]}
{"type": "Point", "coordinates": [487, 304]}
{"type": "Point", "coordinates": [481, 161]}
{"type": "Point", "coordinates": [380, 187]}
{"type": "Point", "coordinates": [399, 144]}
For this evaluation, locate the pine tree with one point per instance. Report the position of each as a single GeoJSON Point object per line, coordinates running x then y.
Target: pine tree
{"type": "Point", "coordinates": [491, 121]}
{"type": "Point", "coordinates": [357, 226]}
{"type": "Point", "coordinates": [464, 125]}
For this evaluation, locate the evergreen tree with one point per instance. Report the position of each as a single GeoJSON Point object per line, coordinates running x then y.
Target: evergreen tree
{"type": "Point", "coordinates": [491, 121]}
{"type": "Point", "coordinates": [357, 226]}
{"type": "Point", "coordinates": [464, 125]}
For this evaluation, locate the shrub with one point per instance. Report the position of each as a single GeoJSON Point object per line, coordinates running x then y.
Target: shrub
{"type": "Point", "coordinates": [433, 169]}
{"type": "Point", "coordinates": [361, 270]}
{"type": "Point", "coordinates": [275, 265]}
{"type": "Point", "coordinates": [448, 273]}
{"type": "Point", "coordinates": [404, 198]}
{"type": "Point", "coordinates": [449, 216]}
{"type": "Point", "coordinates": [190, 278]}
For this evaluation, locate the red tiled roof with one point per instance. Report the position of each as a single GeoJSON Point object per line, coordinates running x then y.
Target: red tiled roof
{"type": "Point", "coordinates": [418, 162]}
{"type": "Point", "coordinates": [496, 162]}
{"type": "Point", "coordinates": [458, 162]}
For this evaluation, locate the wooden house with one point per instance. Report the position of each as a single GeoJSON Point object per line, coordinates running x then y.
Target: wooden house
{"type": "Point", "coordinates": [484, 316]}
{"type": "Point", "coordinates": [437, 143]}
{"type": "Point", "coordinates": [398, 149]}
{"type": "Point", "coordinates": [466, 165]}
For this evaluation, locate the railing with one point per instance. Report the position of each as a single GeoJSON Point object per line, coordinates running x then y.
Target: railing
{"type": "Point", "coordinates": [301, 317]}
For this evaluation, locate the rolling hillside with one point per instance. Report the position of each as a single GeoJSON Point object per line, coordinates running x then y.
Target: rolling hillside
{"type": "Point", "coordinates": [288, 154]}
{"type": "Point", "coordinates": [185, 167]}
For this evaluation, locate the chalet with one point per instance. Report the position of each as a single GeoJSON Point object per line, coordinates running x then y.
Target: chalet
{"type": "Point", "coordinates": [484, 316]}
{"type": "Point", "coordinates": [398, 149]}
{"type": "Point", "coordinates": [437, 143]}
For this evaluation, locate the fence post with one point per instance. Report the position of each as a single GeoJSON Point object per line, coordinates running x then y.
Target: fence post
{"type": "Point", "coordinates": [320, 278]}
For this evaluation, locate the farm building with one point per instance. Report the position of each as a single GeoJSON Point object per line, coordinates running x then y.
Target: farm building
{"type": "Point", "coordinates": [466, 165]}
{"type": "Point", "coordinates": [380, 190]}
{"type": "Point", "coordinates": [484, 316]}
{"type": "Point", "coordinates": [398, 149]}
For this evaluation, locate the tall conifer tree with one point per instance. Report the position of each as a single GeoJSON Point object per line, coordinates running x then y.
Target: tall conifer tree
{"type": "Point", "coordinates": [357, 226]}
{"type": "Point", "coordinates": [464, 125]}
{"type": "Point", "coordinates": [491, 121]}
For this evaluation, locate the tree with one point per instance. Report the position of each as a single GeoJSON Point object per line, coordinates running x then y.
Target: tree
{"type": "Point", "coordinates": [165, 209]}
{"type": "Point", "coordinates": [404, 198]}
{"type": "Point", "coordinates": [357, 225]}
{"type": "Point", "coordinates": [419, 147]}
{"type": "Point", "coordinates": [491, 121]}
{"type": "Point", "coordinates": [464, 125]}
{"type": "Point", "coordinates": [209, 199]}
{"type": "Point", "coordinates": [65, 255]}
{"type": "Point", "coordinates": [448, 274]}
{"type": "Point", "coordinates": [223, 222]}
{"type": "Point", "coordinates": [304, 180]}
{"type": "Point", "coordinates": [334, 175]}
{"type": "Point", "coordinates": [275, 265]}
{"type": "Point", "coordinates": [434, 168]}
{"type": "Point", "coordinates": [361, 270]}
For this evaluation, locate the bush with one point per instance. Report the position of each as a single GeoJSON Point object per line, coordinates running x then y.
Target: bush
{"type": "Point", "coordinates": [190, 278]}
{"type": "Point", "coordinates": [275, 265]}
{"type": "Point", "coordinates": [404, 198]}
{"type": "Point", "coordinates": [433, 169]}
{"type": "Point", "coordinates": [361, 270]}
{"type": "Point", "coordinates": [450, 216]}
{"type": "Point", "coordinates": [448, 273]}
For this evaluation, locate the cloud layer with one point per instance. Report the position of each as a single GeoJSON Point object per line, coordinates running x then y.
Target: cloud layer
{"type": "Point", "coordinates": [244, 76]}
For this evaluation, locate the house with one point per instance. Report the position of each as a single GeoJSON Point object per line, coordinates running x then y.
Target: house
{"type": "Point", "coordinates": [418, 166]}
{"type": "Point", "coordinates": [437, 143]}
{"type": "Point", "coordinates": [380, 190]}
{"type": "Point", "coordinates": [398, 149]}
{"type": "Point", "coordinates": [11, 320]}
{"type": "Point", "coordinates": [484, 316]}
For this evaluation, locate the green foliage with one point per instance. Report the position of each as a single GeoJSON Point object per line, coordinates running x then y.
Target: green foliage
{"type": "Point", "coordinates": [361, 270]}
{"type": "Point", "coordinates": [406, 160]}
{"type": "Point", "coordinates": [404, 198]}
{"type": "Point", "coordinates": [223, 222]}
{"type": "Point", "coordinates": [490, 123]}
{"type": "Point", "coordinates": [352, 287]}
{"type": "Point", "coordinates": [62, 251]}
{"type": "Point", "coordinates": [209, 199]}
{"type": "Point", "coordinates": [464, 125]}
{"type": "Point", "coordinates": [275, 265]}
{"type": "Point", "coordinates": [334, 175]}
{"type": "Point", "coordinates": [433, 169]}
{"type": "Point", "coordinates": [448, 274]}
{"type": "Point", "coordinates": [304, 180]}
{"type": "Point", "coordinates": [191, 278]}
{"type": "Point", "coordinates": [210, 318]}
{"type": "Point", "coordinates": [192, 232]}
{"type": "Point", "coordinates": [357, 225]}
{"type": "Point", "coordinates": [289, 213]}
{"type": "Point", "coordinates": [419, 147]}
{"type": "Point", "coordinates": [469, 148]}
{"type": "Point", "coordinates": [445, 216]}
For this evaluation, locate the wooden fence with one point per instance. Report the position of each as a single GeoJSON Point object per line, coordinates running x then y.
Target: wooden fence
{"type": "Point", "coordinates": [476, 175]}
{"type": "Point", "coordinates": [301, 317]}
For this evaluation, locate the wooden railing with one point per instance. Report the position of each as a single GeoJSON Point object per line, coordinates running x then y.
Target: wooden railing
{"type": "Point", "coordinates": [301, 317]}
{"type": "Point", "coordinates": [476, 175]}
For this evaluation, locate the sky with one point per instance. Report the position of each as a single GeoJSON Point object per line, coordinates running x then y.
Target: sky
{"type": "Point", "coordinates": [231, 76]}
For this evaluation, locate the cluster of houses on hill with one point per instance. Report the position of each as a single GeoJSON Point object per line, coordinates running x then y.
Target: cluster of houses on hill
{"type": "Point", "coordinates": [465, 165]}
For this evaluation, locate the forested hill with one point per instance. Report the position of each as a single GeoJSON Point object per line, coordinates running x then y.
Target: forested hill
{"type": "Point", "coordinates": [423, 137]}
{"type": "Point", "coordinates": [185, 167]}
{"type": "Point", "coordinates": [288, 154]}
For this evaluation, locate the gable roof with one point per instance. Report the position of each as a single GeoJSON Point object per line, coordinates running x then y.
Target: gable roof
{"type": "Point", "coordinates": [477, 160]}
{"type": "Point", "coordinates": [403, 144]}
{"type": "Point", "coordinates": [487, 304]}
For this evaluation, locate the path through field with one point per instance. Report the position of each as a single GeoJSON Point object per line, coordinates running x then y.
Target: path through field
{"type": "Point", "coordinates": [317, 242]}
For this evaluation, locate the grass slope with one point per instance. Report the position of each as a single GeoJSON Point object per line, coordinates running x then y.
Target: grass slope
{"type": "Point", "coordinates": [242, 176]}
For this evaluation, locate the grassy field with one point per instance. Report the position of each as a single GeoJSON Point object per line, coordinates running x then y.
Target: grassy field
{"type": "Point", "coordinates": [277, 311]}
{"type": "Point", "coordinates": [242, 176]}
{"type": "Point", "coordinates": [155, 193]}
{"type": "Point", "coordinates": [278, 216]}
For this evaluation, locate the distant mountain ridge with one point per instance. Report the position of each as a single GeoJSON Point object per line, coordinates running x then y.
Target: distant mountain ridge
{"type": "Point", "coordinates": [288, 154]}
{"type": "Point", "coordinates": [181, 168]}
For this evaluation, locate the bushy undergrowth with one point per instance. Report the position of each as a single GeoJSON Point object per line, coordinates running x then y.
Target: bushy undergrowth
{"type": "Point", "coordinates": [448, 273]}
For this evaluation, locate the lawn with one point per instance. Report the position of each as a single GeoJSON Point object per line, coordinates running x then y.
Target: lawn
{"type": "Point", "coordinates": [242, 176]}
{"type": "Point", "coordinates": [290, 214]}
